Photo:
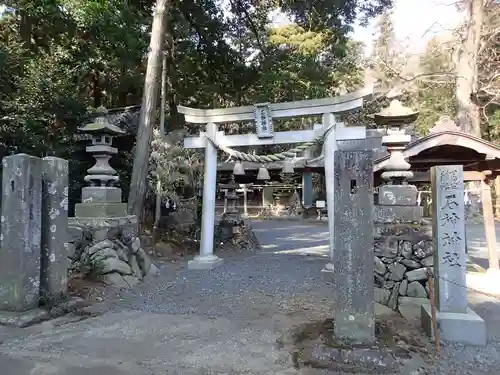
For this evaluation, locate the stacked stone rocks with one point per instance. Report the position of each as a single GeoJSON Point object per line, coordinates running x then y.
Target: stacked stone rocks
{"type": "Point", "coordinates": [236, 235]}
{"type": "Point", "coordinates": [403, 246]}
{"type": "Point", "coordinates": [402, 255]}
{"type": "Point", "coordinates": [112, 254]}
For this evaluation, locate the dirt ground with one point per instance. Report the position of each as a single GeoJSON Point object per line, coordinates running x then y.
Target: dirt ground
{"type": "Point", "coordinates": [256, 314]}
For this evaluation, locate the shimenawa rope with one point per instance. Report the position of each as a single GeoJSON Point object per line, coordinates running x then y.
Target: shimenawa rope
{"type": "Point", "coordinates": [291, 153]}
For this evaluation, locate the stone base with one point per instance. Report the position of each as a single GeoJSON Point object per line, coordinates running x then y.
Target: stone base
{"type": "Point", "coordinates": [410, 307]}
{"type": "Point", "coordinates": [327, 272]}
{"type": "Point", "coordinates": [392, 214]}
{"type": "Point", "coordinates": [397, 195]}
{"type": "Point", "coordinates": [355, 359]}
{"type": "Point", "coordinates": [96, 223]}
{"type": "Point", "coordinates": [101, 194]}
{"type": "Point", "coordinates": [100, 209]}
{"type": "Point", "coordinates": [23, 319]}
{"type": "Point", "coordinates": [309, 213]}
{"type": "Point", "coordinates": [312, 345]}
{"type": "Point", "coordinates": [493, 274]}
{"type": "Point", "coordinates": [30, 317]}
{"type": "Point", "coordinates": [355, 328]}
{"type": "Point", "coordinates": [205, 262]}
{"type": "Point", "coordinates": [468, 329]}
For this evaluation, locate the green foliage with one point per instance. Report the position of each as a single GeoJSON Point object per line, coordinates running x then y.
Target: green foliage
{"type": "Point", "coordinates": [178, 169]}
{"type": "Point", "coordinates": [297, 40]}
{"type": "Point", "coordinates": [337, 15]}
{"type": "Point", "coordinates": [494, 126]}
{"type": "Point", "coordinates": [301, 65]}
{"type": "Point", "coordinates": [59, 59]}
{"type": "Point", "coordinates": [434, 96]}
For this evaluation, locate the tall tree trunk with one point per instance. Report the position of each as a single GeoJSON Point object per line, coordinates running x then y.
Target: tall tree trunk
{"type": "Point", "coordinates": [138, 182]}
{"type": "Point", "coordinates": [96, 88]}
{"type": "Point", "coordinates": [171, 78]}
{"type": "Point", "coordinates": [26, 29]}
{"type": "Point", "coordinates": [468, 117]}
{"type": "Point", "coordinates": [163, 97]}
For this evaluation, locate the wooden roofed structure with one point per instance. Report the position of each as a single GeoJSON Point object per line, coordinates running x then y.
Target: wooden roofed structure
{"type": "Point", "coordinates": [447, 145]}
{"type": "Point", "coordinates": [444, 145]}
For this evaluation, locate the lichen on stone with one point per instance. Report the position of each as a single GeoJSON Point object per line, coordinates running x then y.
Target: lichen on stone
{"type": "Point", "coordinates": [112, 254]}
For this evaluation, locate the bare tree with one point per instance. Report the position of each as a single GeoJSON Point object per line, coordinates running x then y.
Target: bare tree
{"type": "Point", "coordinates": [475, 65]}
{"type": "Point", "coordinates": [138, 182]}
{"type": "Point", "coordinates": [488, 91]}
{"type": "Point", "coordinates": [468, 114]}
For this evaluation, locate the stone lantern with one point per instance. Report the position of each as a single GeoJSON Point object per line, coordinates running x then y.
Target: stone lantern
{"type": "Point", "coordinates": [396, 170]}
{"type": "Point", "coordinates": [400, 231]}
{"type": "Point", "coordinates": [394, 118]}
{"type": "Point", "coordinates": [231, 197]}
{"type": "Point", "coordinates": [231, 223]}
{"type": "Point", "coordinates": [101, 198]}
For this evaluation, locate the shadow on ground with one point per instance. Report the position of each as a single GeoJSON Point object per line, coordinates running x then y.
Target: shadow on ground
{"type": "Point", "coordinates": [223, 321]}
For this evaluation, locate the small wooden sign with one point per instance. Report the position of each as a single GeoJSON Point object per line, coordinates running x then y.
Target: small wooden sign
{"type": "Point", "coordinates": [320, 204]}
{"type": "Point", "coordinates": [263, 121]}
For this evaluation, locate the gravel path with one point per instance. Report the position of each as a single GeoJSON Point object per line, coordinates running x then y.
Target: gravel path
{"type": "Point", "coordinates": [246, 284]}
{"type": "Point", "coordinates": [237, 310]}
{"type": "Point", "coordinates": [285, 278]}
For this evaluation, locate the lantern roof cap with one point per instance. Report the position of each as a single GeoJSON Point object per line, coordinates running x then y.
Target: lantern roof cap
{"type": "Point", "coordinates": [396, 112]}
{"type": "Point", "coordinates": [101, 125]}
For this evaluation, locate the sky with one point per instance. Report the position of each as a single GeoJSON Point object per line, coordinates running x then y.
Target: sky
{"type": "Point", "coordinates": [416, 21]}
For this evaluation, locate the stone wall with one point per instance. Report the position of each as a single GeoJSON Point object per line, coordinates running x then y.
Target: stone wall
{"type": "Point", "coordinates": [402, 254]}
{"type": "Point", "coordinates": [110, 250]}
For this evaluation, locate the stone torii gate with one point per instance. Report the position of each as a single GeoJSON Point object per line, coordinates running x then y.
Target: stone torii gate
{"type": "Point", "coordinates": [263, 114]}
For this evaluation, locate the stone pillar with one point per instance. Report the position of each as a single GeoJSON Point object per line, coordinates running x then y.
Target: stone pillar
{"type": "Point", "coordinates": [245, 200]}
{"type": "Point", "coordinates": [232, 201]}
{"type": "Point", "coordinates": [206, 259]}
{"type": "Point", "coordinates": [307, 188]}
{"type": "Point", "coordinates": [21, 232]}
{"type": "Point", "coordinates": [353, 267]}
{"type": "Point", "coordinates": [456, 321]}
{"type": "Point", "coordinates": [329, 147]}
{"type": "Point", "coordinates": [497, 197]}
{"type": "Point", "coordinates": [267, 196]}
{"type": "Point", "coordinates": [54, 259]}
{"type": "Point", "coordinates": [489, 228]}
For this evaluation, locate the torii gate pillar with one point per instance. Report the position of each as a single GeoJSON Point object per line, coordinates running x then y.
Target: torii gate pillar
{"type": "Point", "coordinates": [207, 259]}
{"type": "Point", "coordinates": [329, 146]}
